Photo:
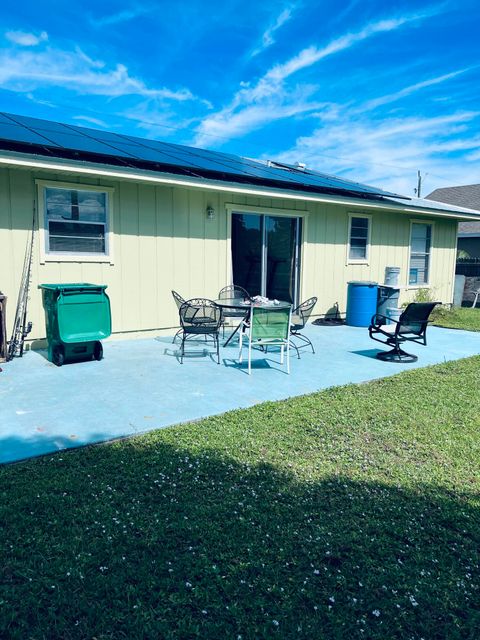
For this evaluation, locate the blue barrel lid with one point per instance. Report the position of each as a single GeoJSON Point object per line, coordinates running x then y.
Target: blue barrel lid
{"type": "Point", "coordinates": [363, 283]}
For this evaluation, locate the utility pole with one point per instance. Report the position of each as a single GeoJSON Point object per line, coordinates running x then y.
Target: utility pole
{"type": "Point", "coordinates": [418, 190]}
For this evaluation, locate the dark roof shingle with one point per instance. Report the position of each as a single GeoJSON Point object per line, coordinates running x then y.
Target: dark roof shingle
{"type": "Point", "coordinates": [463, 196]}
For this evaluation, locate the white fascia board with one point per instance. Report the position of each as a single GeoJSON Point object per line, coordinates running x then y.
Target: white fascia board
{"type": "Point", "coordinates": [26, 161]}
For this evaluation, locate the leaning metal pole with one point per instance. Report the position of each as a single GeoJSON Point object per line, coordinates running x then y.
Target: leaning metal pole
{"type": "Point", "coordinates": [21, 328]}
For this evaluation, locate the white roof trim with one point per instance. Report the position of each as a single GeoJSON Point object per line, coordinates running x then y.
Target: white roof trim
{"type": "Point", "coordinates": [13, 159]}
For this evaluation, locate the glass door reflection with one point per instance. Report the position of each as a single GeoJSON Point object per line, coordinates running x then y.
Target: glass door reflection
{"type": "Point", "coordinates": [266, 255]}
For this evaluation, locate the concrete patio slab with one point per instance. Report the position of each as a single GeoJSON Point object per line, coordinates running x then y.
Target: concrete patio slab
{"type": "Point", "coordinates": [140, 385]}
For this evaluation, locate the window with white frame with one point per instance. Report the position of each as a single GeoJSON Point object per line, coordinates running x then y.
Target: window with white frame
{"type": "Point", "coordinates": [420, 249]}
{"type": "Point", "coordinates": [358, 238]}
{"type": "Point", "coordinates": [76, 221]}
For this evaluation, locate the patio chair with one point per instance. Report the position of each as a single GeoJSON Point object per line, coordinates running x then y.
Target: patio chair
{"type": "Point", "coordinates": [300, 317]}
{"type": "Point", "coordinates": [267, 328]}
{"type": "Point", "coordinates": [178, 301]}
{"type": "Point", "coordinates": [233, 291]}
{"type": "Point", "coordinates": [200, 317]}
{"type": "Point", "coordinates": [410, 327]}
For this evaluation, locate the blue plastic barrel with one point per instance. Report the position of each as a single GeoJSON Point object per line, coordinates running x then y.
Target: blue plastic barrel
{"type": "Point", "coordinates": [361, 303]}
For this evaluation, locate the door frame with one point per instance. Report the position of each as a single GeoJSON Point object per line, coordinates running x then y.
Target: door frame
{"type": "Point", "coordinates": [269, 211]}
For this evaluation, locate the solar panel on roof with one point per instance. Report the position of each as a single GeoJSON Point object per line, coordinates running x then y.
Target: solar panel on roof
{"type": "Point", "coordinates": [44, 133]}
{"type": "Point", "coordinates": [36, 124]}
{"type": "Point", "coordinates": [82, 143]}
{"type": "Point", "coordinates": [17, 133]}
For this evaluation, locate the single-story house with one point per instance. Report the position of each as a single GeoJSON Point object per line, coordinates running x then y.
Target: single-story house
{"type": "Point", "coordinates": [467, 196]}
{"type": "Point", "coordinates": [145, 217]}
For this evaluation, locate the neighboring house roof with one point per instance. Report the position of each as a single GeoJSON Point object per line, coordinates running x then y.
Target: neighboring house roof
{"type": "Point", "coordinates": [463, 196]}
{"type": "Point", "coordinates": [46, 145]}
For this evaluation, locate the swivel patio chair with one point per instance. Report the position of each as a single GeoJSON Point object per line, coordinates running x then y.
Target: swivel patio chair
{"type": "Point", "coordinates": [200, 317]}
{"type": "Point", "coordinates": [300, 317]}
{"type": "Point", "coordinates": [178, 301]}
{"type": "Point", "coordinates": [411, 327]}
{"type": "Point", "coordinates": [232, 292]}
{"type": "Point", "coordinates": [267, 328]}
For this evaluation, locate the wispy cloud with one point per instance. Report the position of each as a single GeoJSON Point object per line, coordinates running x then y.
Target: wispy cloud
{"type": "Point", "coordinates": [403, 93]}
{"type": "Point", "coordinates": [311, 55]}
{"type": "Point", "coordinates": [269, 94]}
{"type": "Point", "coordinates": [73, 70]}
{"type": "Point", "coordinates": [26, 39]}
{"type": "Point", "coordinates": [388, 153]}
{"type": "Point", "coordinates": [90, 120]}
{"type": "Point", "coordinates": [267, 38]}
{"type": "Point", "coordinates": [121, 16]}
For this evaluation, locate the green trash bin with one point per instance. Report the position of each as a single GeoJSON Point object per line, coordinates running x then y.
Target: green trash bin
{"type": "Point", "coordinates": [77, 317]}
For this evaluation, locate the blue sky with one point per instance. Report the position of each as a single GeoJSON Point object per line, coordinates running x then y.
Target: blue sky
{"type": "Point", "coordinates": [372, 91]}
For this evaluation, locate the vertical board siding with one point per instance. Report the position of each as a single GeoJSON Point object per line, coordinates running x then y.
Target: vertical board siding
{"type": "Point", "coordinates": [162, 240]}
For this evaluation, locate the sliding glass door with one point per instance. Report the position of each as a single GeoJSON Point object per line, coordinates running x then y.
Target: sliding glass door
{"type": "Point", "coordinates": [266, 255]}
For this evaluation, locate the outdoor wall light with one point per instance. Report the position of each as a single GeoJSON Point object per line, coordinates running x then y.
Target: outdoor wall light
{"type": "Point", "coordinates": [210, 212]}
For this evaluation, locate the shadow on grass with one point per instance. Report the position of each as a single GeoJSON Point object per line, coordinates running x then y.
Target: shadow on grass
{"type": "Point", "coordinates": [140, 539]}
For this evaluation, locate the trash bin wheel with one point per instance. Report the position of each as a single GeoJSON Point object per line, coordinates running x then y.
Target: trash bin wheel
{"type": "Point", "coordinates": [58, 355]}
{"type": "Point", "coordinates": [98, 351]}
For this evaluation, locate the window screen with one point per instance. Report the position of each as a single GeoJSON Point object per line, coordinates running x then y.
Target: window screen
{"type": "Point", "coordinates": [76, 221]}
{"type": "Point", "coordinates": [358, 247]}
{"type": "Point", "coordinates": [420, 246]}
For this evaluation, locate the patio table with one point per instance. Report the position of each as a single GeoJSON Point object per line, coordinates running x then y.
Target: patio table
{"type": "Point", "coordinates": [239, 304]}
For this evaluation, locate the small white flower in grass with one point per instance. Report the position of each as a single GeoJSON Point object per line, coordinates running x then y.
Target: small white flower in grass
{"type": "Point", "coordinates": [275, 623]}
{"type": "Point", "coordinates": [316, 571]}
{"type": "Point", "coordinates": [332, 599]}
{"type": "Point", "coordinates": [376, 613]}
{"type": "Point", "coordinates": [413, 601]}
{"type": "Point", "coordinates": [204, 611]}
{"type": "Point", "coordinates": [188, 584]}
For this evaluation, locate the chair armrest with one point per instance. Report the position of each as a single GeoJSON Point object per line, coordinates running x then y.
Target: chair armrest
{"type": "Point", "coordinates": [374, 322]}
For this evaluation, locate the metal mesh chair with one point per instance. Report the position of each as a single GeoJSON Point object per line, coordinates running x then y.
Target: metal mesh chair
{"type": "Point", "coordinates": [200, 317]}
{"type": "Point", "coordinates": [411, 327]}
{"type": "Point", "coordinates": [232, 292]}
{"type": "Point", "coordinates": [178, 301]}
{"type": "Point", "coordinates": [300, 317]}
{"type": "Point", "coordinates": [267, 328]}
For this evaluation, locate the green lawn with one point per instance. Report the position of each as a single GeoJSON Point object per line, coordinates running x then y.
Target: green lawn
{"type": "Point", "coordinates": [351, 513]}
{"type": "Point", "coordinates": [457, 318]}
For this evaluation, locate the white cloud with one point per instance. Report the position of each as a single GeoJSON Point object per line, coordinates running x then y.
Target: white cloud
{"type": "Point", "coordinates": [89, 120]}
{"type": "Point", "coordinates": [269, 95]}
{"type": "Point", "coordinates": [388, 153]}
{"type": "Point", "coordinates": [26, 39]}
{"type": "Point", "coordinates": [392, 97]}
{"type": "Point", "coordinates": [232, 123]}
{"type": "Point", "coordinates": [121, 16]}
{"type": "Point", "coordinates": [26, 71]}
{"type": "Point", "coordinates": [267, 38]}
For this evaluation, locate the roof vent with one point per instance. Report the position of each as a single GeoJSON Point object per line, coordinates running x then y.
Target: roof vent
{"type": "Point", "coordinates": [301, 166]}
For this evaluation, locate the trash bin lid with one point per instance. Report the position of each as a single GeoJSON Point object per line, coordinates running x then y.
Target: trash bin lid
{"type": "Point", "coordinates": [72, 286]}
